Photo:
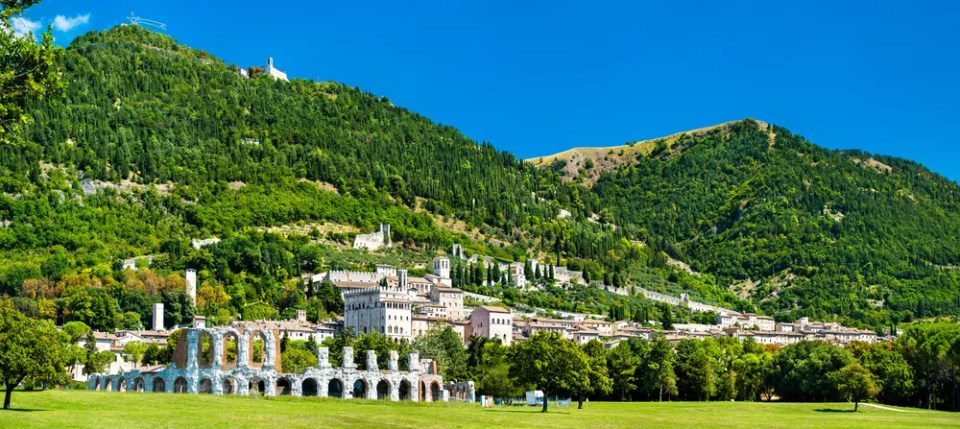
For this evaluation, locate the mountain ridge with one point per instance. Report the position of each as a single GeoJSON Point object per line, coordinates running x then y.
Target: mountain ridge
{"type": "Point", "coordinates": [824, 235]}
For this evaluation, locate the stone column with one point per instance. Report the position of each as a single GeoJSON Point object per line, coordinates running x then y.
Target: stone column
{"type": "Point", "coordinates": [296, 387]}
{"type": "Point", "coordinates": [217, 344]}
{"type": "Point", "coordinates": [243, 350]}
{"type": "Point", "coordinates": [348, 358]}
{"type": "Point", "coordinates": [471, 392]}
{"type": "Point", "coordinates": [269, 352]}
{"type": "Point", "coordinates": [372, 361]}
{"type": "Point", "coordinates": [323, 358]}
{"type": "Point", "coordinates": [192, 339]}
{"type": "Point", "coordinates": [392, 358]}
{"type": "Point", "coordinates": [243, 385]}
{"type": "Point", "coordinates": [413, 361]}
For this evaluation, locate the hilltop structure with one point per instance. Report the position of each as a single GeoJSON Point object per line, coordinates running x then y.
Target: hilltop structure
{"type": "Point", "coordinates": [375, 240]}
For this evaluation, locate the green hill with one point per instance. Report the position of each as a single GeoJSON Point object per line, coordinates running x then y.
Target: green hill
{"type": "Point", "coordinates": [155, 144]}
{"type": "Point", "coordinates": [791, 225]}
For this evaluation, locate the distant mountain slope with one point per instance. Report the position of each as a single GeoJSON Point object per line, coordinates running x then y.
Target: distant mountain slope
{"type": "Point", "coordinates": [586, 164]}
{"type": "Point", "coordinates": [790, 224]}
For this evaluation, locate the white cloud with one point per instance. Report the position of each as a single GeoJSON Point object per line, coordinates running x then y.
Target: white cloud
{"type": "Point", "coordinates": [22, 26]}
{"type": "Point", "coordinates": [63, 23]}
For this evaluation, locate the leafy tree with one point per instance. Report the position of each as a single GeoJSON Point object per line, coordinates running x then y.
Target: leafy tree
{"type": "Point", "coordinates": [28, 71]}
{"type": "Point", "coordinates": [135, 351]}
{"type": "Point", "coordinates": [550, 363]}
{"type": "Point", "coordinates": [855, 383]}
{"type": "Point", "coordinates": [31, 349]}
{"type": "Point", "coordinates": [666, 316]}
{"type": "Point", "coordinates": [801, 371]}
{"type": "Point", "coordinates": [76, 331]}
{"type": "Point", "coordinates": [751, 370]}
{"type": "Point", "coordinates": [97, 362]}
{"type": "Point", "coordinates": [445, 346]}
{"type": "Point", "coordinates": [599, 382]}
{"type": "Point", "coordinates": [296, 359]}
{"type": "Point", "coordinates": [659, 373]}
{"type": "Point", "coordinates": [623, 369]}
{"type": "Point", "coordinates": [152, 355]}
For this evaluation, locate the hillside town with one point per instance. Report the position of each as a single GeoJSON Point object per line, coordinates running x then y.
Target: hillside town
{"type": "Point", "coordinates": [401, 307]}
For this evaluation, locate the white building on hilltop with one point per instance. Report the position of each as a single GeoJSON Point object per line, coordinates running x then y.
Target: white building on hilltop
{"type": "Point", "coordinates": [273, 72]}
{"type": "Point", "coordinates": [373, 241]}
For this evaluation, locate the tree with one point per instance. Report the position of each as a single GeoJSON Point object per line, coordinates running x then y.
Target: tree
{"type": "Point", "coordinates": [550, 363]}
{"type": "Point", "coordinates": [296, 360]}
{"type": "Point", "coordinates": [135, 351]}
{"type": "Point", "coordinates": [152, 355]}
{"type": "Point", "coordinates": [855, 383]}
{"type": "Point", "coordinates": [623, 369]}
{"type": "Point", "coordinates": [98, 361]}
{"type": "Point", "coordinates": [445, 346]}
{"type": "Point", "coordinates": [666, 316]}
{"type": "Point", "coordinates": [659, 373]}
{"type": "Point", "coordinates": [599, 380]}
{"type": "Point", "coordinates": [31, 349]}
{"type": "Point", "coordinates": [28, 71]}
{"type": "Point", "coordinates": [801, 371]}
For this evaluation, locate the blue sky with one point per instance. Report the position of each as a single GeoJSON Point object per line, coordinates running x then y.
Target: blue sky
{"type": "Point", "coordinates": [541, 77]}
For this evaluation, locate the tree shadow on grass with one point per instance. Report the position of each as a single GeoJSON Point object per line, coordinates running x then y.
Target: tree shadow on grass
{"type": "Point", "coordinates": [833, 410]}
{"type": "Point", "coordinates": [518, 411]}
{"type": "Point", "coordinates": [21, 410]}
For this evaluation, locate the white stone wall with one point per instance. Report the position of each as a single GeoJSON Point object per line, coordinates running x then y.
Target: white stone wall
{"type": "Point", "coordinates": [416, 384]}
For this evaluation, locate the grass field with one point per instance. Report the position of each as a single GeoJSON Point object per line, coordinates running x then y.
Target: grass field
{"type": "Point", "coordinates": [82, 409]}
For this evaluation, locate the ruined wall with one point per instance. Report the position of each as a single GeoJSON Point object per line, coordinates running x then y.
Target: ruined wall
{"type": "Point", "coordinates": [190, 373]}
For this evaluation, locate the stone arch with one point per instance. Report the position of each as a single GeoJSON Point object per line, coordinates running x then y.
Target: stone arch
{"type": "Point", "coordinates": [436, 392]}
{"type": "Point", "coordinates": [383, 389]}
{"type": "Point", "coordinates": [423, 391]}
{"type": "Point", "coordinates": [229, 386]}
{"type": "Point", "coordinates": [360, 387]}
{"type": "Point", "coordinates": [107, 384]}
{"type": "Point", "coordinates": [121, 384]}
{"type": "Point", "coordinates": [405, 390]}
{"type": "Point", "coordinates": [205, 349]}
{"type": "Point", "coordinates": [139, 385]}
{"type": "Point", "coordinates": [231, 350]}
{"type": "Point", "coordinates": [258, 350]}
{"type": "Point", "coordinates": [180, 385]}
{"type": "Point", "coordinates": [283, 386]}
{"type": "Point", "coordinates": [206, 386]}
{"type": "Point", "coordinates": [96, 384]}
{"type": "Point", "coordinates": [309, 387]}
{"type": "Point", "coordinates": [159, 385]}
{"type": "Point", "coordinates": [335, 388]}
{"type": "Point", "coordinates": [257, 386]}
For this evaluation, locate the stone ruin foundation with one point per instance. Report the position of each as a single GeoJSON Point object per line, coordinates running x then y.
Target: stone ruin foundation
{"type": "Point", "coordinates": [201, 366]}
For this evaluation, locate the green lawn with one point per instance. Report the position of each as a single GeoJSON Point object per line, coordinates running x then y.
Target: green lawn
{"type": "Point", "coordinates": [82, 409]}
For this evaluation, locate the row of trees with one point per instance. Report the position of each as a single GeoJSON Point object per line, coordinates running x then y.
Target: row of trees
{"type": "Point", "coordinates": [921, 368]}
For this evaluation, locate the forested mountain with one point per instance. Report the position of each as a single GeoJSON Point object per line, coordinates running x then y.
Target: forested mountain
{"type": "Point", "coordinates": [789, 224]}
{"type": "Point", "coordinates": [155, 143]}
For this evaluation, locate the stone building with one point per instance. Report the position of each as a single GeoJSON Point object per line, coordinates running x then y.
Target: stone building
{"type": "Point", "coordinates": [373, 241]}
{"type": "Point", "coordinates": [378, 309]}
{"type": "Point", "coordinates": [227, 361]}
{"type": "Point", "coordinates": [492, 322]}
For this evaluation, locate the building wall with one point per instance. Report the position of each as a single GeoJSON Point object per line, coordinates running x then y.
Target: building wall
{"type": "Point", "coordinates": [487, 324]}
{"type": "Point", "coordinates": [378, 310]}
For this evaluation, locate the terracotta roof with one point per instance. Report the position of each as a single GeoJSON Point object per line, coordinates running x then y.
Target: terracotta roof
{"type": "Point", "coordinates": [494, 309]}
